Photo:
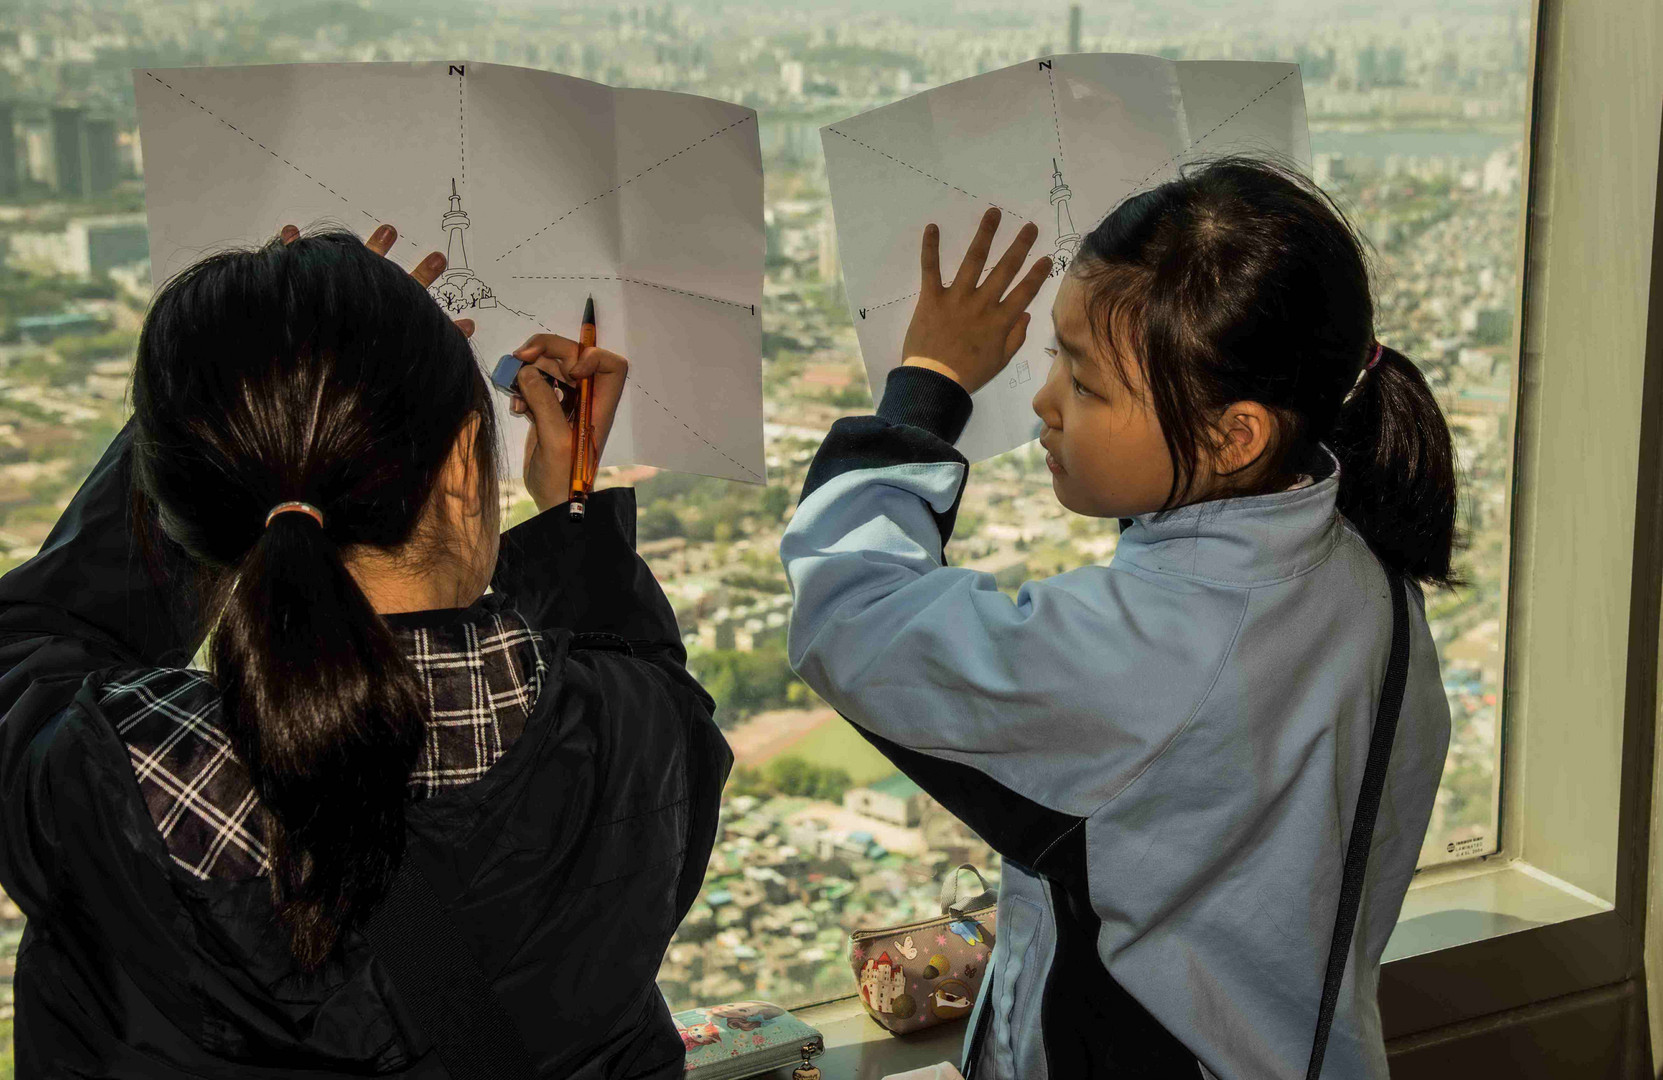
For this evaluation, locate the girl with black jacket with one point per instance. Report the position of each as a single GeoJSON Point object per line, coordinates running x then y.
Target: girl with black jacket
{"type": "Point", "coordinates": [310, 473]}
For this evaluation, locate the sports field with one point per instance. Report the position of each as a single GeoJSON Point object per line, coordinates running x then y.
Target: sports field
{"type": "Point", "coordinates": [818, 736]}
{"type": "Point", "coordinates": [834, 742]}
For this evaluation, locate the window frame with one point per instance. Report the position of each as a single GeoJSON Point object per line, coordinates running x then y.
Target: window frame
{"type": "Point", "coordinates": [1581, 664]}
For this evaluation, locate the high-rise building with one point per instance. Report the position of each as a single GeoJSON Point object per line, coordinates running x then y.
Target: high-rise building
{"type": "Point", "coordinates": [36, 137]}
{"type": "Point", "coordinates": [87, 247]}
{"type": "Point", "coordinates": [101, 243]}
{"type": "Point", "coordinates": [1073, 28]}
{"type": "Point", "coordinates": [772, 236]}
{"type": "Point", "coordinates": [8, 153]}
{"type": "Point", "coordinates": [130, 153]}
{"type": "Point", "coordinates": [98, 154]}
{"type": "Point", "coordinates": [830, 266]}
{"type": "Point", "coordinates": [69, 176]}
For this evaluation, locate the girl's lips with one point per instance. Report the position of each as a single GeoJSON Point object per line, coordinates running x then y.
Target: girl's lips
{"type": "Point", "coordinates": [1052, 463]}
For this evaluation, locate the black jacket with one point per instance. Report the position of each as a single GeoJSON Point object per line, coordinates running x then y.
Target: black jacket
{"type": "Point", "coordinates": [567, 866]}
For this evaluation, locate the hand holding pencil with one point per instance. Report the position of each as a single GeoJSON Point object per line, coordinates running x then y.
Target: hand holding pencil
{"type": "Point", "coordinates": [584, 455]}
{"type": "Point", "coordinates": [551, 444]}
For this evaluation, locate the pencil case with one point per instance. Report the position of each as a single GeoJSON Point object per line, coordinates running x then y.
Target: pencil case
{"type": "Point", "coordinates": [744, 1038]}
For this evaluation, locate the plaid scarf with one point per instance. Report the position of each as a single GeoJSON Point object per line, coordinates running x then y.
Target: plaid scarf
{"type": "Point", "coordinates": [482, 670]}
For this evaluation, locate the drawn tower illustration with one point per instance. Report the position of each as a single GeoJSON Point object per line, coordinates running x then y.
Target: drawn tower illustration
{"type": "Point", "coordinates": [459, 288]}
{"type": "Point", "coordinates": [1067, 239]}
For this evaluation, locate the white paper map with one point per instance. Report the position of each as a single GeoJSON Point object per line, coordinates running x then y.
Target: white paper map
{"type": "Point", "coordinates": [1059, 141]}
{"type": "Point", "coordinates": [541, 188]}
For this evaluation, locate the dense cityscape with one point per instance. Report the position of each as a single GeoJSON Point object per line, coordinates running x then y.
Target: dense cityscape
{"type": "Point", "coordinates": [1417, 120]}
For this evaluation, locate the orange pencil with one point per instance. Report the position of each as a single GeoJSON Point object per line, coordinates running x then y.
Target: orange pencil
{"type": "Point", "coordinates": [583, 441]}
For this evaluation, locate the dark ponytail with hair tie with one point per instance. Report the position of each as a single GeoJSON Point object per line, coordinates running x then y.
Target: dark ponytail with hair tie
{"type": "Point", "coordinates": [315, 373]}
{"type": "Point", "coordinates": [1397, 468]}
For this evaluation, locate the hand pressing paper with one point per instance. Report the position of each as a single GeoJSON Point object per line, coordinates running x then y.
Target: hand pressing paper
{"type": "Point", "coordinates": [1059, 141]}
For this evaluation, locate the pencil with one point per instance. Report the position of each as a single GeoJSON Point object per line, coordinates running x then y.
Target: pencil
{"type": "Point", "coordinates": [583, 442]}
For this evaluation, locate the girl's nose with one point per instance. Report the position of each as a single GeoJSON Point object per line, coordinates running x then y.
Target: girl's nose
{"type": "Point", "coordinates": [1045, 402]}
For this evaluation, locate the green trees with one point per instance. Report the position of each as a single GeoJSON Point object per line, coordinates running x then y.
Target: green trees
{"type": "Point", "coordinates": [744, 683]}
{"type": "Point", "coordinates": [791, 775]}
{"type": "Point", "coordinates": [82, 348]}
{"type": "Point", "coordinates": [657, 521]}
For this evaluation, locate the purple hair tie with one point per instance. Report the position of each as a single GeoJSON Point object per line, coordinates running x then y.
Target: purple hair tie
{"type": "Point", "coordinates": [1376, 358]}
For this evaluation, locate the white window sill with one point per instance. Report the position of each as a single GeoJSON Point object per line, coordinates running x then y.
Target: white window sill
{"type": "Point", "coordinates": [1476, 901]}
{"type": "Point", "coordinates": [857, 1048]}
{"type": "Point", "coordinates": [1444, 908]}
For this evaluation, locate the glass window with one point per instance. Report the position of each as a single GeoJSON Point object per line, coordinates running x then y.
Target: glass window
{"type": "Point", "coordinates": [1417, 123]}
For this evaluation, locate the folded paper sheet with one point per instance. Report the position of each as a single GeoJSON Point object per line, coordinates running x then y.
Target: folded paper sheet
{"type": "Point", "coordinates": [1060, 141]}
{"type": "Point", "coordinates": [541, 188]}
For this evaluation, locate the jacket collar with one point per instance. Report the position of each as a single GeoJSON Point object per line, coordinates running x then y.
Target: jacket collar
{"type": "Point", "coordinates": [1246, 541]}
{"type": "Point", "coordinates": [480, 611]}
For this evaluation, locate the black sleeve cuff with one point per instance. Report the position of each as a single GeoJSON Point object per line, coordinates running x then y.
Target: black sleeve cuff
{"type": "Point", "coordinates": [609, 515]}
{"type": "Point", "coordinates": [925, 399]}
{"type": "Point", "coordinates": [585, 575]}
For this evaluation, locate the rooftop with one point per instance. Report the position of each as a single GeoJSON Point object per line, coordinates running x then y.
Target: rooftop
{"type": "Point", "coordinates": [896, 785]}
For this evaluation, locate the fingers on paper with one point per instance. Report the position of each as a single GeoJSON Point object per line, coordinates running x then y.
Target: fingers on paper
{"type": "Point", "coordinates": [428, 270]}
{"type": "Point", "coordinates": [1018, 334]}
{"type": "Point", "coordinates": [551, 347]}
{"type": "Point", "coordinates": [597, 363]}
{"type": "Point", "coordinates": [929, 258]}
{"type": "Point", "coordinates": [568, 360]}
{"type": "Point", "coordinates": [1028, 288]}
{"type": "Point", "coordinates": [975, 257]}
{"type": "Point", "coordinates": [382, 239]}
{"type": "Point", "coordinates": [466, 326]}
{"type": "Point", "coordinates": [539, 398]}
{"type": "Point", "coordinates": [288, 234]}
{"type": "Point", "coordinates": [1011, 261]}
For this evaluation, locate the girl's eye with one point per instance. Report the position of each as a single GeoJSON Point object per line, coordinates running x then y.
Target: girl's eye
{"type": "Point", "coordinates": [1079, 387]}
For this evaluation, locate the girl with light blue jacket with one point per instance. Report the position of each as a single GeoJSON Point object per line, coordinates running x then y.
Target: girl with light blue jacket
{"type": "Point", "coordinates": [1167, 751]}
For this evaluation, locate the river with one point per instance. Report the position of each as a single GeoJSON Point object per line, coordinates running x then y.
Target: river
{"type": "Point", "coordinates": [801, 138]}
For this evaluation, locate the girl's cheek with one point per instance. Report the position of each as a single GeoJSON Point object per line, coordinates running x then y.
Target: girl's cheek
{"type": "Point", "coordinates": [1089, 457]}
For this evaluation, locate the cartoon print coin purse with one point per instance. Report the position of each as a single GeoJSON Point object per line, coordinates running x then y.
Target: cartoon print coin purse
{"type": "Point", "coordinates": [920, 974]}
{"type": "Point", "coordinates": [744, 1038]}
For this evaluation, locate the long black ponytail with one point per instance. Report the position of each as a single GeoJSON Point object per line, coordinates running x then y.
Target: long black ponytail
{"type": "Point", "coordinates": [1243, 281]}
{"type": "Point", "coordinates": [315, 371]}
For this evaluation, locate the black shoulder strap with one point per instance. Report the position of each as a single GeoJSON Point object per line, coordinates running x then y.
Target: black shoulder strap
{"type": "Point", "coordinates": [441, 982]}
{"type": "Point", "coordinates": [1362, 824]}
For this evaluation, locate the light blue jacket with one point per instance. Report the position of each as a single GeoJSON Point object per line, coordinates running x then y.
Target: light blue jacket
{"type": "Point", "coordinates": [1166, 751]}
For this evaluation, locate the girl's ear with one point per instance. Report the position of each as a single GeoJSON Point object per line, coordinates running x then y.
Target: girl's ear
{"type": "Point", "coordinates": [1243, 430]}
{"type": "Point", "coordinates": [458, 479]}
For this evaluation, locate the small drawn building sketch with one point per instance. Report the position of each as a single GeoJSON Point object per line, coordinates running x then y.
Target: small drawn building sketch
{"type": "Point", "coordinates": [459, 288]}
{"type": "Point", "coordinates": [1020, 373]}
{"type": "Point", "coordinates": [881, 982]}
{"type": "Point", "coordinates": [1068, 240]}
